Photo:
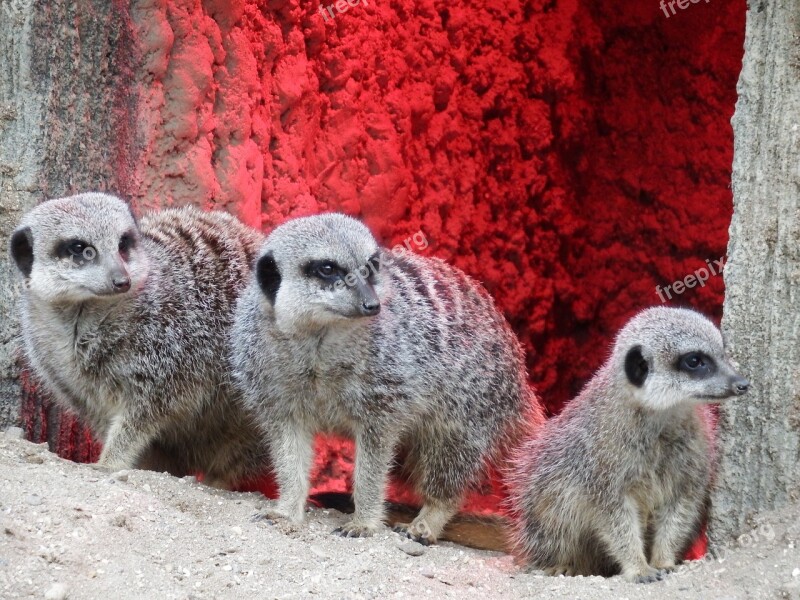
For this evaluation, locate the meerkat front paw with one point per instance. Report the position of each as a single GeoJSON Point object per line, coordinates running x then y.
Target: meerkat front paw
{"type": "Point", "coordinates": [417, 531]}
{"type": "Point", "coordinates": [276, 513]}
{"type": "Point", "coordinates": [649, 575]}
{"type": "Point", "coordinates": [111, 464]}
{"type": "Point", "coordinates": [565, 570]}
{"type": "Point", "coordinates": [354, 529]}
{"type": "Point", "coordinates": [665, 565]}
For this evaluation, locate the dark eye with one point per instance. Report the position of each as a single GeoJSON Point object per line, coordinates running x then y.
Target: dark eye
{"type": "Point", "coordinates": [326, 270]}
{"type": "Point", "coordinates": [77, 248]}
{"type": "Point", "coordinates": [692, 361]}
{"type": "Point", "coordinates": [696, 364]}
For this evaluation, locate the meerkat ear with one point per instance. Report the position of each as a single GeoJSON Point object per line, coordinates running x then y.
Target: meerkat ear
{"type": "Point", "coordinates": [268, 276]}
{"type": "Point", "coordinates": [636, 366]}
{"type": "Point", "coordinates": [21, 247]}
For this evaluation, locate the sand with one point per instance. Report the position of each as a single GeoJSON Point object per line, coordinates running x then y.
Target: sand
{"type": "Point", "coordinates": [69, 530]}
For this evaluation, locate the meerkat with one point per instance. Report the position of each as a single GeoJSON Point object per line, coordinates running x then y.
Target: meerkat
{"type": "Point", "coordinates": [405, 354]}
{"type": "Point", "coordinates": [125, 324]}
{"type": "Point", "coordinates": [618, 483]}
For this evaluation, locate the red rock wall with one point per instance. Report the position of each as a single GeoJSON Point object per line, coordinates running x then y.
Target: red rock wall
{"type": "Point", "coordinates": [570, 154]}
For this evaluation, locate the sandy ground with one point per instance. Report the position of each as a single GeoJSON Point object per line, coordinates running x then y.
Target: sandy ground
{"type": "Point", "coordinates": [71, 531]}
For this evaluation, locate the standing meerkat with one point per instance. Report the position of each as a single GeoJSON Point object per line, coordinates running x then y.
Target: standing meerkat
{"type": "Point", "coordinates": [125, 324]}
{"type": "Point", "coordinates": [400, 352]}
{"type": "Point", "coordinates": [619, 481]}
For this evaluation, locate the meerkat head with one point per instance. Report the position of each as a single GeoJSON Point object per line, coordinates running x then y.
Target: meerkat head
{"type": "Point", "coordinates": [668, 356]}
{"type": "Point", "coordinates": [320, 271]}
{"type": "Point", "coordinates": [79, 248]}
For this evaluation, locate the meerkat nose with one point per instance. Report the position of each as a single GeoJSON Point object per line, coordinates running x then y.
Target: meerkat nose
{"type": "Point", "coordinates": [370, 307]}
{"type": "Point", "coordinates": [740, 385]}
{"type": "Point", "coordinates": [121, 283]}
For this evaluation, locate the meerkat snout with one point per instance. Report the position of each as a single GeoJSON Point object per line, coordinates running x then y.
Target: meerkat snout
{"type": "Point", "coordinates": [370, 303]}
{"type": "Point", "coordinates": [121, 282]}
{"type": "Point", "coordinates": [118, 275]}
{"type": "Point", "coordinates": [370, 310]}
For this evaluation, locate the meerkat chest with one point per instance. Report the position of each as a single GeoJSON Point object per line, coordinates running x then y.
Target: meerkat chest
{"type": "Point", "coordinates": [59, 351]}
{"type": "Point", "coordinates": [329, 381]}
{"type": "Point", "coordinates": [664, 464]}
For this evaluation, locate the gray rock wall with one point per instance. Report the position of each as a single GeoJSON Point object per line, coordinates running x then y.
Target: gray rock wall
{"type": "Point", "coordinates": [67, 103]}
{"type": "Point", "coordinates": [760, 433]}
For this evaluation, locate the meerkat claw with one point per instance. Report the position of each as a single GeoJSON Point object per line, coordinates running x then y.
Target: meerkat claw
{"type": "Point", "coordinates": [651, 576]}
{"type": "Point", "coordinates": [268, 514]}
{"type": "Point", "coordinates": [560, 570]}
{"type": "Point", "coordinates": [354, 530]}
{"type": "Point", "coordinates": [408, 531]}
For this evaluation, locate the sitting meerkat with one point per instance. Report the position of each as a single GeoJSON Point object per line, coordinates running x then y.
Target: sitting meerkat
{"type": "Point", "coordinates": [618, 483]}
{"type": "Point", "coordinates": [125, 324]}
{"type": "Point", "coordinates": [406, 354]}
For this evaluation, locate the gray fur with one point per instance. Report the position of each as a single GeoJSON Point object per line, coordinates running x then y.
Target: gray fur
{"type": "Point", "coordinates": [133, 340]}
{"type": "Point", "coordinates": [436, 376]}
{"type": "Point", "coordinates": [619, 481]}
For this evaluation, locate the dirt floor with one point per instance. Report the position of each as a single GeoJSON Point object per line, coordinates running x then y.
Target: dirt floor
{"type": "Point", "coordinates": [71, 531]}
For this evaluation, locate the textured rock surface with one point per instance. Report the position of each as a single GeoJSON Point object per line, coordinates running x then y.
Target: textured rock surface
{"type": "Point", "coordinates": [761, 435]}
{"type": "Point", "coordinates": [63, 128]}
{"type": "Point", "coordinates": [571, 155]}
{"type": "Point", "coordinates": [19, 138]}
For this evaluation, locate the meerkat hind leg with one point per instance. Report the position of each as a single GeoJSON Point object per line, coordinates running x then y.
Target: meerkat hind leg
{"type": "Point", "coordinates": [127, 440]}
{"type": "Point", "coordinates": [162, 459]}
{"type": "Point", "coordinates": [444, 464]}
{"type": "Point", "coordinates": [429, 523]}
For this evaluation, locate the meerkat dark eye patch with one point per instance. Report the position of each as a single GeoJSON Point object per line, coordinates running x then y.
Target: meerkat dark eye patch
{"type": "Point", "coordinates": [696, 364]}
{"type": "Point", "coordinates": [21, 247]}
{"type": "Point", "coordinates": [127, 243]}
{"type": "Point", "coordinates": [326, 270]}
{"type": "Point", "coordinates": [78, 251]}
{"type": "Point", "coordinates": [268, 276]}
{"type": "Point", "coordinates": [636, 367]}
{"type": "Point", "coordinates": [374, 264]}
